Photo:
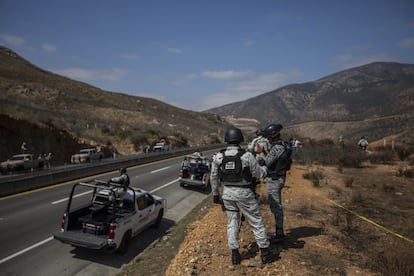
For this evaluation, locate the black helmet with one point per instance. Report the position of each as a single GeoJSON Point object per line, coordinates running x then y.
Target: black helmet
{"type": "Point", "coordinates": [233, 136]}
{"type": "Point", "coordinates": [122, 170]}
{"type": "Point", "coordinates": [259, 132]}
{"type": "Point", "coordinates": [273, 130]}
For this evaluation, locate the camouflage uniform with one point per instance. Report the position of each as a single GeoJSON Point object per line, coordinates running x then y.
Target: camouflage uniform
{"type": "Point", "coordinates": [275, 181]}
{"type": "Point", "coordinates": [239, 197]}
{"type": "Point", "coordinates": [263, 144]}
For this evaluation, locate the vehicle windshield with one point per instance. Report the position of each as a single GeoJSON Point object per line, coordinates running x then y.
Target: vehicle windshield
{"type": "Point", "coordinates": [85, 151]}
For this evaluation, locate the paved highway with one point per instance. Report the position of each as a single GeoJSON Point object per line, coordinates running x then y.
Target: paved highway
{"type": "Point", "coordinates": [28, 221]}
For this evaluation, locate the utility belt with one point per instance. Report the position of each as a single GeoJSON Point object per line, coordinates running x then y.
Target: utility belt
{"type": "Point", "coordinates": [248, 186]}
{"type": "Point", "coordinates": [275, 175]}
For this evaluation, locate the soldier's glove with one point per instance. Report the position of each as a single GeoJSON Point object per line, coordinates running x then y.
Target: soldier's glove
{"type": "Point", "coordinates": [216, 199]}
{"type": "Point", "coordinates": [261, 162]}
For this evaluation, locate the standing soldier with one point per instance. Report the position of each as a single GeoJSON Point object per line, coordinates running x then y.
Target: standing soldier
{"type": "Point", "coordinates": [23, 147]}
{"type": "Point", "coordinates": [235, 169]}
{"type": "Point", "coordinates": [363, 143]}
{"type": "Point", "coordinates": [278, 162]}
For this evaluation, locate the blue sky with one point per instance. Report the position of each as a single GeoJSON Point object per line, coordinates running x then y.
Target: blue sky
{"type": "Point", "coordinates": [203, 54]}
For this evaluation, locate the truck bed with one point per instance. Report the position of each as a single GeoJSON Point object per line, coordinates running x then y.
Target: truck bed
{"type": "Point", "coordinates": [82, 239]}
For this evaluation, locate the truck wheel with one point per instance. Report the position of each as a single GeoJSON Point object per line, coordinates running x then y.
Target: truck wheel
{"type": "Point", "coordinates": [123, 247]}
{"type": "Point", "coordinates": [159, 218]}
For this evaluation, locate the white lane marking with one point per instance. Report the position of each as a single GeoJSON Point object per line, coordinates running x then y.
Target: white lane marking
{"type": "Point", "coordinates": [163, 186]}
{"type": "Point", "coordinates": [65, 199]}
{"type": "Point", "coordinates": [160, 169]}
{"type": "Point", "coordinates": [51, 238]}
{"type": "Point", "coordinates": [26, 249]}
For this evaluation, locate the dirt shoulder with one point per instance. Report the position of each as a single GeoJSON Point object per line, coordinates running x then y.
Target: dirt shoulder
{"type": "Point", "coordinates": [322, 238]}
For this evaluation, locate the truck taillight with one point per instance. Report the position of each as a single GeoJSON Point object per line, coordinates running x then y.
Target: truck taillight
{"type": "Point", "coordinates": [112, 231]}
{"type": "Point", "coordinates": [62, 224]}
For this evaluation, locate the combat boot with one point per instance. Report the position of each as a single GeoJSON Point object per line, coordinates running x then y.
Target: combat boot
{"type": "Point", "coordinates": [268, 256]}
{"type": "Point", "coordinates": [235, 257]}
{"type": "Point", "coordinates": [280, 236]}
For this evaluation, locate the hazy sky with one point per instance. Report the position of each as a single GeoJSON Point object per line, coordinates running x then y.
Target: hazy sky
{"type": "Point", "coordinates": [202, 54]}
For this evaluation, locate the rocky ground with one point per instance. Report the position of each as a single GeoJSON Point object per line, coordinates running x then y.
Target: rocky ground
{"type": "Point", "coordinates": [322, 238]}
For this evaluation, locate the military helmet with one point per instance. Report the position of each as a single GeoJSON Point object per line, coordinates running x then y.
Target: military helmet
{"type": "Point", "coordinates": [122, 170]}
{"type": "Point", "coordinates": [233, 136]}
{"type": "Point", "coordinates": [259, 132]}
{"type": "Point", "coordinates": [273, 130]}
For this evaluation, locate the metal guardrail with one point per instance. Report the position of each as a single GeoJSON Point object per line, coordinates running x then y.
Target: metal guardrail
{"type": "Point", "coordinates": [43, 178]}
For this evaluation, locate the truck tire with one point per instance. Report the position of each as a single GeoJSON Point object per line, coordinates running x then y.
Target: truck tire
{"type": "Point", "coordinates": [123, 247]}
{"type": "Point", "coordinates": [157, 222]}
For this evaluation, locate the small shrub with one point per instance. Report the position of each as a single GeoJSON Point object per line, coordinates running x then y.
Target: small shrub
{"type": "Point", "coordinates": [380, 157]}
{"type": "Point", "coordinates": [314, 176]}
{"type": "Point", "coordinates": [405, 172]}
{"type": "Point", "coordinates": [403, 153]}
{"type": "Point", "coordinates": [395, 260]}
{"type": "Point", "coordinates": [326, 142]}
{"type": "Point", "coordinates": [123, 134]}
{"type": "Point", "coordinates": [105, 130]}
{"type": "Point", "coordinates": [348, 182]}
{"type": "Point", "coordinates": [351, 159]}
{"type": "Point", "coordinates": [388, 188]}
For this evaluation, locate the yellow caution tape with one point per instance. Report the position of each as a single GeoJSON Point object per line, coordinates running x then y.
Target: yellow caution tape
{"type": "Point", "coordinates": [372, 222]}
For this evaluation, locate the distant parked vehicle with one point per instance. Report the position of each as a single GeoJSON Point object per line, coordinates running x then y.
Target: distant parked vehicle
{"type": "Point", "coordinates": [87, 156]}
{"type": "Point", "coordinates": [162, 145]}
{"type": "Point", "coordinates": [21, 162]}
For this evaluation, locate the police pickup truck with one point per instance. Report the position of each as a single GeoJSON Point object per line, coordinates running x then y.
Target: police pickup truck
{"type": "Point", "coordinates": [87, 156]}
{"type": "Point", "coordinates": [110, 218]}
{"type": "Point", "coordinates": [21, 162]}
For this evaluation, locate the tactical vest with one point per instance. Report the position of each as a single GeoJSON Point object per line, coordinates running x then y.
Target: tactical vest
{"type": "Point", "coordinates": [284, 162]}
{"type": "Point", "coordinates": [231, 168]}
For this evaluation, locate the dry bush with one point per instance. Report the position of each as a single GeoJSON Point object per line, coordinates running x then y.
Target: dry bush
{"type": "Point", "coordinates": [405, 172]}
{"type": "Point", "coordinates": [315, 176]}
{"type": "Point", "coordinates": [351, 159]}
{"type": "Point", "coordinates": [403, 153]}
{"type": "Point", "coordinates": [388, 188]}
{"type": "Point", "coordinates": [395, 260]}
{"type": "Point", "coordinates": [348, 181]}
{"type": "Point", "coordinates": [381, 157]}
{"type": "Point", "coordinates": [303, 209]}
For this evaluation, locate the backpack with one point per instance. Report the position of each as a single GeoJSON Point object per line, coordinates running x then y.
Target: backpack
{"type": "Point", "coordinates": [231, 168]}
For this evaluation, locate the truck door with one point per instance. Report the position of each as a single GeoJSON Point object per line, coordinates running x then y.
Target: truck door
{"type": "Point", "coordinates": [145, 205]}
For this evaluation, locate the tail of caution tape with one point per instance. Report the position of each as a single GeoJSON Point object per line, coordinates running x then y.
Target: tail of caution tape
{"type": "Point", "coordinates": [371, 222]}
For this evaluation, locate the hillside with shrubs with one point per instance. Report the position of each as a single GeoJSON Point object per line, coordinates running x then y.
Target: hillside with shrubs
{"type": "Point", "coordinates": [347, 212]}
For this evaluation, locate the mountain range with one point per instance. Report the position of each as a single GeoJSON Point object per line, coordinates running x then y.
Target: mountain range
{"type": "Point", "coordinates": [374, 100]}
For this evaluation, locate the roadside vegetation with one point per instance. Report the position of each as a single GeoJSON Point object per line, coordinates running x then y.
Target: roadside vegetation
{"type": "Point", "coordinates": [347, 212]}
{"type": "Point", "coordinates": [369, 199]}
